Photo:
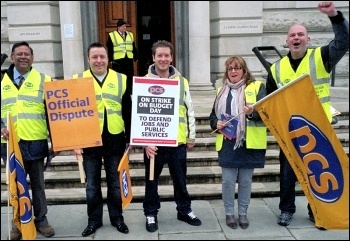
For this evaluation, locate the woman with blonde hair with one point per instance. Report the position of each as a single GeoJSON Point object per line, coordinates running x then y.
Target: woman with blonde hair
{"type": "Point", "coordinates": [239, 154]}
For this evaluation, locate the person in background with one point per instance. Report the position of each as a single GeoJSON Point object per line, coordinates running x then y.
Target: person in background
{"type": "Point", "coordinates": [239, 155]}
{"type": "Point", "coordinates": [318, 63]}
{"type": "Point", "coordinates": [25, 101]}
{"type": "Point", "coordinates": [114, 111]}
{"type": "Point", "coordinates": [175, 157]}
{"type": "Point", "coordinates": [122, 52]}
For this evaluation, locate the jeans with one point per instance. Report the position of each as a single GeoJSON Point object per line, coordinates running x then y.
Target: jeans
{"type": "Point", "coordinates": [92, 162]}
{"type": "Point", "coordinates": [176, 158]}
{"type": "Point", "coordinates": [229, 177]}
{"type": "Point", "coordinates": [287, 186]}
{"type": "Point", "coordinates": [4, 153]}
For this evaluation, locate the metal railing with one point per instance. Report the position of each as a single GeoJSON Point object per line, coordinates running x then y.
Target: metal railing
{"type": "Point", "coordinates": [257, 51]}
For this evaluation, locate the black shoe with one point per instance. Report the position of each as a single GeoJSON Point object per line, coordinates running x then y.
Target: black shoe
{"type": "Point", "coordinates": [189, 218]}
{"type": "Point", "coordinates": [90, 229]}
{"type": "Point", "coordinates": [121, 227]}
{"type": "Point", "coordinates": [311, 217]}
{"type": "Point", "coordinates": [285, 219]}
{"type": "Point", "coordinates": [151, 224]}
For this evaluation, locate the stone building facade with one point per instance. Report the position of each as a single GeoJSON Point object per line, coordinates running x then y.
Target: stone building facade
{"type": "Point", "coordinates": [206, 33]}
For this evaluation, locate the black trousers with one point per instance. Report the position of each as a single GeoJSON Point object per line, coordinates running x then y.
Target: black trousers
{"type": "Point", "coordinates": [125, 66]}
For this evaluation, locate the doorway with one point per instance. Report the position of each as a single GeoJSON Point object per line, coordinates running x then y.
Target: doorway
{"type": "Point", "coordinates": [154, 22]}
{"type": "Point", "coordinates": [149, 21]}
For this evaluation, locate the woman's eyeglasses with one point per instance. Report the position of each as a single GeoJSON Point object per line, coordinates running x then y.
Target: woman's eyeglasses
{"type": "Point", "coordinates": [229, 69]}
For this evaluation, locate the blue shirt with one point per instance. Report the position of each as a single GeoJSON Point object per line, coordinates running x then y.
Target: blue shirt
{"type": "Point", "coordinates": [17, 76]}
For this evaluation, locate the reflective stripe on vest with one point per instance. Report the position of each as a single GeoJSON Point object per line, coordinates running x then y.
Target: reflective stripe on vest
{"type": "Point", "coordinates": [109, 97]}
{"type": "Point", "coordinates": [312, 63]}
{"type": "Point", "coordinates": [183, 120]}
{"type": "Point", "coordinates": [26, 106]}
{"type": "Point", "coordinates": [120, 47]}
{"type": "Point", "coordinates": [256, 131]}
{"type": "Point", "coordinates": [256, 135]}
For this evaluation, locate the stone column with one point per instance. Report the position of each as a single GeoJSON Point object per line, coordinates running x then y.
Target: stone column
{"type": "Point", "coordinates": [73, 53]}
{"type": "Point", "coordinates": [199, 46]}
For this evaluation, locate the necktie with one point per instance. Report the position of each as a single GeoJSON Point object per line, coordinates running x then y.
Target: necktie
{"type": "Point", "coordinates": [21, 79]}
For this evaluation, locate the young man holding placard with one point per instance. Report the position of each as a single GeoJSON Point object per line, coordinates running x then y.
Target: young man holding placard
{"type": "Point", "coordinates": [175, 157]}
{"type": "Point", "coordinates": [113, 105]}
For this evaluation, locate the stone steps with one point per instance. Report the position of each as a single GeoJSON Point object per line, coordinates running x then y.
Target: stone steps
{"type": "Point", "coordinates": [62, 178]}
{"type": "Point", "coordinates": [63, 184]}
{"type": "Point", "coordinates": [208, 144]}
{"type": "Point", "coordinates": [203, 129]}
{"type": "Point", "coordinates": [194, 159]}
{"type": "Point", "coordinates": [197, 192]}
{"type": "Point", "coordinates": [195, 175]}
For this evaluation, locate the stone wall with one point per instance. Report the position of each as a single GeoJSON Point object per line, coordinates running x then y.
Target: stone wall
{"type": "Point", "coordinates": [5, 44]}
{"type": "Point", "coordinates": [277, 22]}
{"type": "Point", "coordinates": [38, 23]}
{"type": "Point", "coordinates": [237, 28]}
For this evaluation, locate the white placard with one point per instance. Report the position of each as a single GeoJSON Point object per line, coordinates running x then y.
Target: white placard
{"type": "Point", "coordinates": [155, 111]}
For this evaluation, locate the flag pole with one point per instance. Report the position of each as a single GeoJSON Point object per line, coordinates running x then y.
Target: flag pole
{"type": "Point", "coordinates": [263, 99]}
{"type": "Point", "coordinates": [7, 152]}
{"type": "Point", "coordinates": [7, 180]}
{"type": "Point", "coordinates": [227, 121]}
{"type": "Point", "coordinates": [151, 168]}
{"type": "Point", "coordinates": [81, 169]}
{"type": "Point", "coordinates": [266, 97]}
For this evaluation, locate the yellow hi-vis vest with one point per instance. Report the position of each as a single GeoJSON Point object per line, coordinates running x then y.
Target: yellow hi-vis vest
{"type": "Point", "coordinates": [256, 135]}
{"type": "Point", "coordinates": [26, 106]}
{"type": "Point", "coordinates": [183, 131]}
{"type": "Point", "coordinates": [312, 64]}
{"type": "Point", "coordinates": [109, 97]}
{"type": "Point", "coordinates": [120, 48]}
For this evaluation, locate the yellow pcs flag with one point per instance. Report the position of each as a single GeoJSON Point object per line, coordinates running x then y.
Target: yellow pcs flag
{"type": "Point", "coordinates": [19, 193]}
{"type": "Point", "coordinates": [125, 180]}
{"type": "Point", "coordinates": [295, 117]}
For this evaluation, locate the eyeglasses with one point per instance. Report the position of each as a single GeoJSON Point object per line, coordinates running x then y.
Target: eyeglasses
{"type": "Point", "coordinates": [229, 69]}
{"type": "Point", "coordinates": [22, 54]}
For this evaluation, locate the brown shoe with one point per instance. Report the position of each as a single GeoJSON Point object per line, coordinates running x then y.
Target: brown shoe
{"type": "Point", "coordinates": [15, 234]}
{"type": "Point", "coordinates": [243, 221]}
{"type": "Point", "coordinates": [46, 231]}
{"type": "Point", "coordinates": [231, 221]}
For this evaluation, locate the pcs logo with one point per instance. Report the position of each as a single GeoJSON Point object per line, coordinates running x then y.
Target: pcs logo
{"type": "Point", "coordinates": [323, 167]}
{"type": "Point", "coordinates": [156, 90]}
{"type": "Point", "coordinates": [125, 184]}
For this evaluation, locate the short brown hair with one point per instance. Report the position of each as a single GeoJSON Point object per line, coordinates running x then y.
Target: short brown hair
{"type": "Point", "coordinates": [162, 43]}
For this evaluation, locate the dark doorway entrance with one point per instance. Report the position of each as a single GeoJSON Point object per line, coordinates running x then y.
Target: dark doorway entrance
{"type": "Point", "coordinates": [154, 23]}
